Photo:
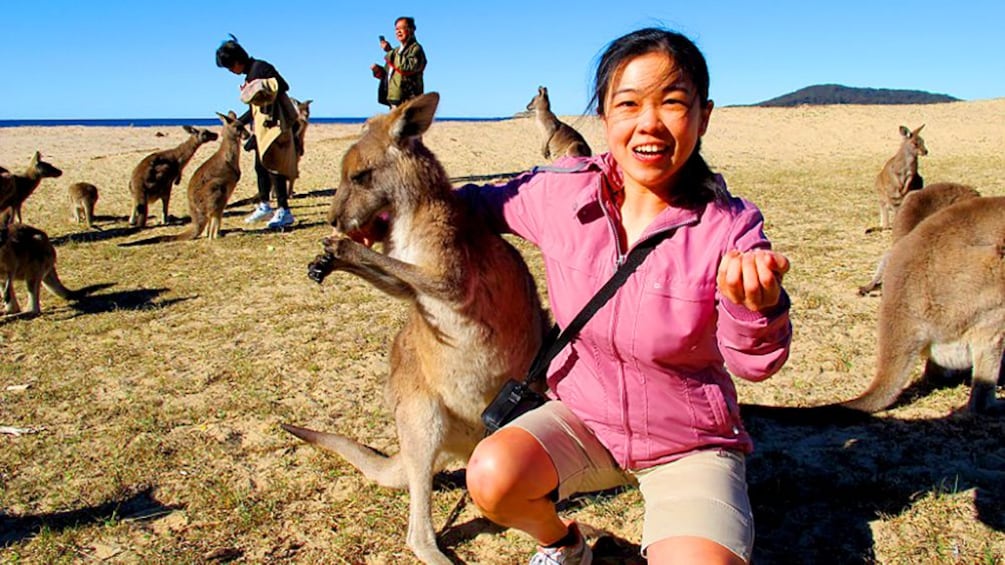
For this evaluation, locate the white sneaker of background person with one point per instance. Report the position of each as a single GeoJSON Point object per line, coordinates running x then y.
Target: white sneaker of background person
{"type": "Point", "coordinates": [282, 218]}
{"type": "Point", "coordinates": [261, 212]}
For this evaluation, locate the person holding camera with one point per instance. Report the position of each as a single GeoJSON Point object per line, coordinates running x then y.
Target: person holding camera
{"type": "Point", "coordinates": [274, 141]}
{"type": "Point", "coordinates": [401, 73]}
{"type": "Point", "coordinates": [643, 393]}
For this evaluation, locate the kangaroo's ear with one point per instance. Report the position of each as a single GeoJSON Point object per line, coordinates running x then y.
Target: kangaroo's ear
{"type": "Point", "coordinates": [36, 157]}
{"type": "Point", "coordinates": [919, 129]}
{"type": "Point", "coordinates": [414, 117]}
{"type": "Point", "coordinates": [190, 129]}
{"type": "Point", "coordinates": [904, 131]}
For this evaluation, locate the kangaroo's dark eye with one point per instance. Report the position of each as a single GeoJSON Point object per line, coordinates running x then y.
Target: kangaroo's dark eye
{"type": "Point", "coordinates": [361, 177]}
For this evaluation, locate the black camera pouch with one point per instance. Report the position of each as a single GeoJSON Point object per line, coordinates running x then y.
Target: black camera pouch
{"type": "Point", "coordinates": [515, 399]}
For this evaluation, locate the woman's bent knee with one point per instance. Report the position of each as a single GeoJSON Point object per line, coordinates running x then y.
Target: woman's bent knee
{"type": "Point", "coordinates": [506, 465]}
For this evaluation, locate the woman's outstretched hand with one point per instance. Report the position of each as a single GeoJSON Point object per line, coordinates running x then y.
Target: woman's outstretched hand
{"type": "Point", "coordinates": [752, 279]}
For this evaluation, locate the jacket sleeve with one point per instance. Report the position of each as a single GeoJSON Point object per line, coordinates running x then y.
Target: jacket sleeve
{"type": "Point", "coordinates": [754, 345]}
{"type": "Point", "coordinates": [411, 61]}
{"type": "Point", "coordinates": [513, 207]}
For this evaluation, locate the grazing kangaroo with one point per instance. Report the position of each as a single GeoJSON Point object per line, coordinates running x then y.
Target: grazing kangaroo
{"type": "Point", "coordinates": [25, 184]}
{"type": "Point", "coordinates": [899, 175]}
{"type": "Point", "coordinates": [475, 320]}
{"type": "Point", "coordinates": [917, 206]}
{"type": "Point", "coordinates": [83, 196]}
{"type": "Point", "coordinates": [156, 173]}
{"type": "Point", "coordinates": [560, 139]}
{"type": "Point", "coordinates": [214, 181]}
{"type": "Point", "coordinates": [26, 254]}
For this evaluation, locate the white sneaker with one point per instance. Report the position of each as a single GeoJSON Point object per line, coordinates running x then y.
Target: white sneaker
{"type": "Point", "coordinates": [262, 211]}
{"type": "Point", "coordinates": [282, 218]}
{"type": "Point", "coordinates": [577, 554]}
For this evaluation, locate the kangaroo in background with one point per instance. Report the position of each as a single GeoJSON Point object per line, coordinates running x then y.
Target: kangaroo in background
{"type": "Point", "coordinates": [83, 196]}
{"type": "Point", "coordinates": [475, 320]}
{"type": "Point", "coordinates": [25, 184]}
{"type": "Point", "coordinates": [899, 175]}
{"type": "Point", "coordinates": [26, 254]}
{"type": "Point", "coordinates": [303, 120]}
{"type": "Point", "coordinates": [918, 205]}
{"type": "Point", "coordinates": [943, 300]}
{"type": "Point", "coordinates": [153, 176]}
{"type": "Point", "coordinates": [560, 139]}
{"type": "Point", "coordinates": [214, 181]}
{"type": "Point", "coordinates": [7, 189]}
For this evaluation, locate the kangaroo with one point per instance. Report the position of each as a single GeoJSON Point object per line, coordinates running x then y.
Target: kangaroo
{"type": "Point", "coordinates": [26, 254]}
{"type": "Point", "coordinates": [899, 175]}
{"type": "Point", "coordinates": [560, 139]}
{"type": "Point", "coordinates": [475, 320]}
{"type": "Point", "coordinates": [7, 189]}
{"type": "Point", "coordinates": [917, 206]}
{"type": "Point", "coordinates": [153, 176]}
{"type": "Point", "coordinates": [944, 300]}
{"type": "Point", "coordinates": [83, 196]}
{"type": "Point", "coordinates": [214, 181]}
{"type": "Point", "coordinates": [25, 184]}
{"type": "Point", "coordinates": [303, 120]}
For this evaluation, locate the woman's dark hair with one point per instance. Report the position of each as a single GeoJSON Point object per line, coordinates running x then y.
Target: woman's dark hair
{"type": "Point", "coordinates": [408, 20]}
{"type": "Point", "coordinates": [697, 182]}
{"type": "Point", "coordinates": [230, 52]}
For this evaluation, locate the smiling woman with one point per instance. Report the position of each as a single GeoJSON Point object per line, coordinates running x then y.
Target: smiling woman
{"type": "Point", "coordinates": [672, 426]}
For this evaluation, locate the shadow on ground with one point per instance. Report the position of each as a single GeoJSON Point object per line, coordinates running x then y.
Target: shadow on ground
{"type": "Point", "coordinates": [815, 489]}
{"type": "Point", "coordinates": [141, 505]}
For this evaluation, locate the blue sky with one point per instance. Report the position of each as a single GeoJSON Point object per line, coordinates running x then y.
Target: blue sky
{"type": "Point", "coordinates": [139, 59]}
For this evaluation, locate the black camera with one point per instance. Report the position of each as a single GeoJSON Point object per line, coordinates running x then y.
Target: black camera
{"type": "Point", "coordinates": [515, 399]}
{"type": "Point", "coordinates": [320, 267]}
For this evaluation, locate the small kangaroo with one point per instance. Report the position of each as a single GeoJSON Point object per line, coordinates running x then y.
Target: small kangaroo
{"type": "Point", "coordinates": [899, 175]}
{"type": "Point", "coordinates": [7, 189]}
{"type": "Point", "coordinates": [83, 196]}
{"type": "Point", "coordinates": [25, 184]}
{"type": "Point", "coordinates": [303, 120]}
{"type": "Point", "coordinates": [156, 173]}
{"type": "Point", "coordinates": [26, 254]}
{"type": "Point", "coordinates": [560, 139]}
{"type": "Point", "coordinates": [214, 181]}
{"type": "Point", "coordinates": [918, 205]}
{"type": "Point", "coordinates": [475, 320]}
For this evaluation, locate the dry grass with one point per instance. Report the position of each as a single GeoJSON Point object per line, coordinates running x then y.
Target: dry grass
{"type": "Point", "coordinates": [160, 398]}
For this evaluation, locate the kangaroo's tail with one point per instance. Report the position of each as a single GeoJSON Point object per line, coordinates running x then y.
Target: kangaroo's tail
{"type": "Point", "coordinates": [55, 286]}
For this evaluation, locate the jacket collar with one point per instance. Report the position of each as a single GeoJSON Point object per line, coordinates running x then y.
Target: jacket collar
{"type": "Point", "coordinates": [589, 203]}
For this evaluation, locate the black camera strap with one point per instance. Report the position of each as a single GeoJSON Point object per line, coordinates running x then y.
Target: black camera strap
{"type": "Point", "coordinates": [557, 339]}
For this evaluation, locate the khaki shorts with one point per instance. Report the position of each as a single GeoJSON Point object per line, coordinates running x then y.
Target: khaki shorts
{"type": "Point", "coordinates": [702, 495]}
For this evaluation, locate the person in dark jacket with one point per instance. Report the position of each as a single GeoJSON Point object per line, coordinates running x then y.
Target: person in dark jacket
{"type": "Point", "coordinates": [275, 114]}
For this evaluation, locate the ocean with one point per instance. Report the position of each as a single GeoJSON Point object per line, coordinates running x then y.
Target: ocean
{"type": "Point", "coordinates": [148, 122]}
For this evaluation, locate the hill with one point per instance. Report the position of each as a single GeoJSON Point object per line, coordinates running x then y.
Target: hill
{"type": "Point", "coordinates": [821, 94]}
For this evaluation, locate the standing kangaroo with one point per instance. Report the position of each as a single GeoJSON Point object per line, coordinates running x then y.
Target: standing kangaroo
{"type": "Point", "coordinates": [560, 139]}
{"type": "Point", "coordinates": [26, 254]}
{"type": "Point", "coordinates": [83, 196]}
{"type": "Point", "coordinates": [899, 175]}
{"type": "Point", "coordinates": [303, 120]}
{"type": "Point", "coordinates": [214, 181]}
{"type": "Point", "coordinates": [918, 205]}
{"type": "Point", "coordinates": [156, 173]}
{"type": "Point", "coordinates": [475, 320]}
{"type": "Point", "coordinates": [25, 184]}
{"type": "Point", "coordinates": [943, 300]}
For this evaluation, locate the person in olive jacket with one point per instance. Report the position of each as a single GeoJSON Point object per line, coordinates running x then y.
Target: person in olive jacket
{"type": "Point", "coordinates": [401, 74]}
